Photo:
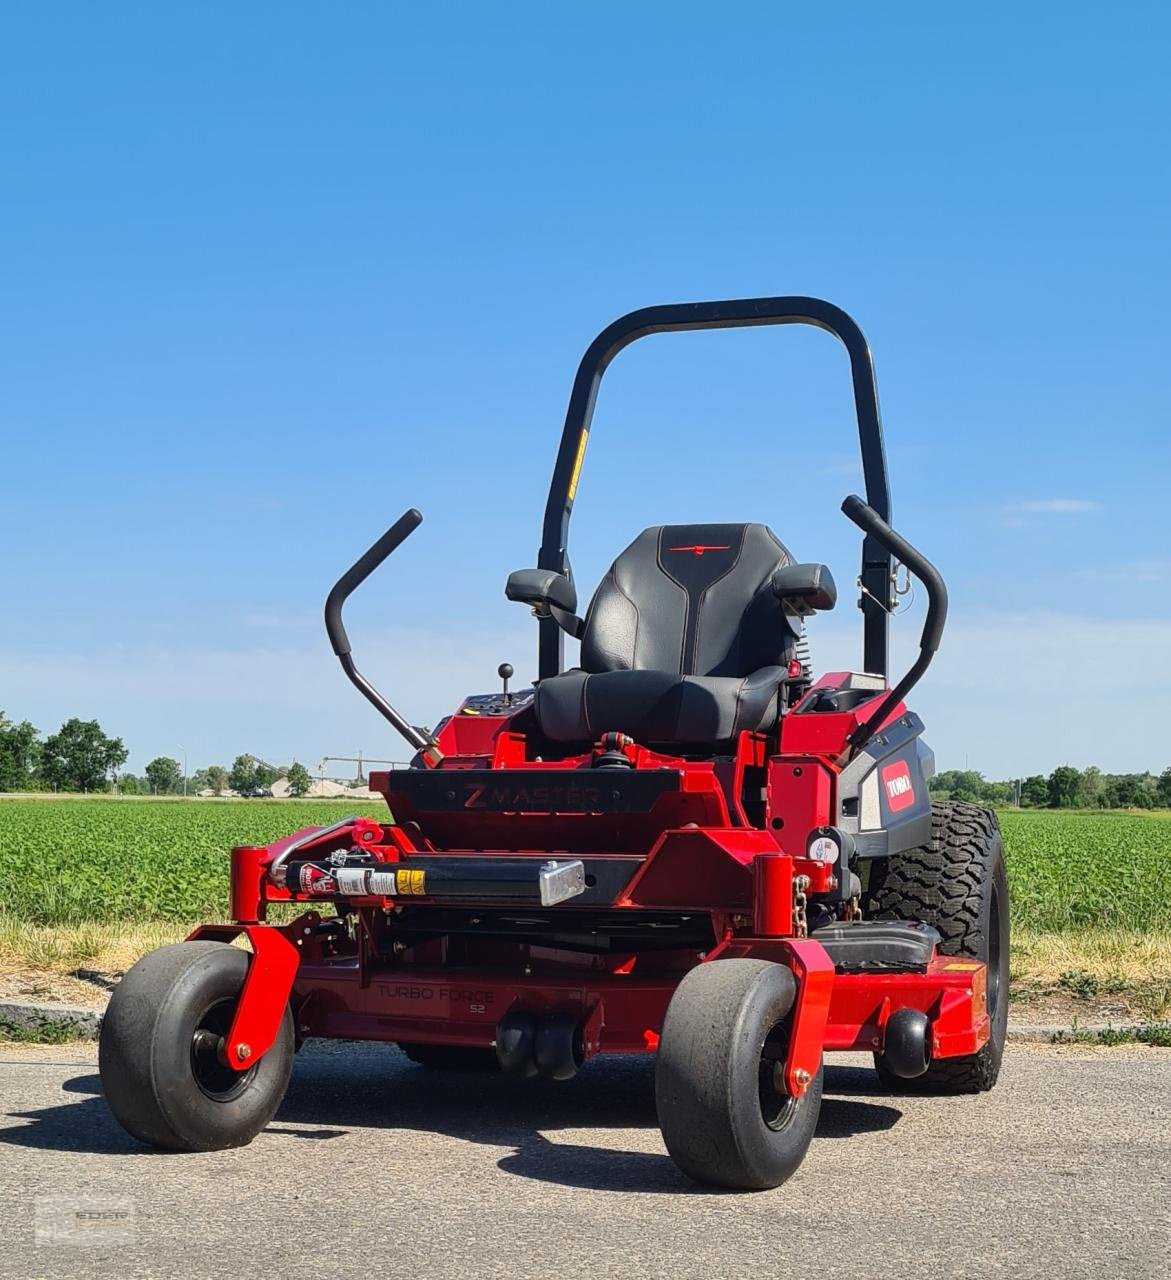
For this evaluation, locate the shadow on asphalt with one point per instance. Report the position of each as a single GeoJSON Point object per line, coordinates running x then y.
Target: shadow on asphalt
{"type": "Point", "coordinates": [334, 1091]}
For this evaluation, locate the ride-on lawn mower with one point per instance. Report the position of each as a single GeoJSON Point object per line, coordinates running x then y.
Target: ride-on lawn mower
{"type": "Point", "coordinates": [685, 846]}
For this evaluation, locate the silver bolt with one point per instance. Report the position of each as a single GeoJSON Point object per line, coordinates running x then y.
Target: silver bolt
{"type": "Point", "coordinates": [243, 1052]}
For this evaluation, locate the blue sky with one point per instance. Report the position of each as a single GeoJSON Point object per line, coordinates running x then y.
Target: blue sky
{"type": "Point", "coordinates": [271, 273]}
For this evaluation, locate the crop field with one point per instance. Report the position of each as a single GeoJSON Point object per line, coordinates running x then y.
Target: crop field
{"type": "Point", "coordinates": [74, 861]}
{"type": "Point", "coordinates": [1078, 870]}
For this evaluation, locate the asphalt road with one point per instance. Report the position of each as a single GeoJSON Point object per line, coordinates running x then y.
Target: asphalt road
{"type": "Point", "coordinates": [375, 1167]}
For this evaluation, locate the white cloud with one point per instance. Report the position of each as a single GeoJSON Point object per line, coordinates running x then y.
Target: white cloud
{"type": "Point", "coordinates": [1054, 506]}
{"type": "Point", "coordinates": [1127, 571]}
{"type": "Point", "coordinates": [1016, 693]}
{"type": "Point", "coordinates": [278, 701]}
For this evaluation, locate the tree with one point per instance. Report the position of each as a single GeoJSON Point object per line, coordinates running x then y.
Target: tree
{"type": "Point", "coordinates": [79, 756]}
{"type": "Point", "coordinates": [20, 753]}
{"type": "Point", "coordinates": [1130, 791]}
{"type": "Point", "coordinates": [128, 785]}
{"type": "Point", "coordinates": [959, 784]}
{"type": "Point", "coordinates": [1092, 789]}
{"type": "Point", "coordinates": [265, 774]}
{"type": "Point", "coordinates": [164, 775]}
{"type": "Point", "coordinates": [1064, 784]}
{"type": "Point", "coordinates": [299, 780]}
{"type": "Point", "coordinates": [217, 778]}
{"type": "Point", "coordinates": [998, 794]}
{"type": "Point", "coordinates": [1163, 788]}
{"type": "Point", "coordinates": [1034, 792]}
{"type": "Point", "coordinates": [242, 778]}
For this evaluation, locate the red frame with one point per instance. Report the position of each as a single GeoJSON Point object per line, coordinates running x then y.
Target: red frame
{"type": "Point", "coordinates": [700, 853]}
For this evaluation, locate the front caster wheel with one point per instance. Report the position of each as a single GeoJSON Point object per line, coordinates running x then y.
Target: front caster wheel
{"type": "Point", "coordinates": [726, 1117]}
{"type": "Point", "coordinates": [160, 1055]}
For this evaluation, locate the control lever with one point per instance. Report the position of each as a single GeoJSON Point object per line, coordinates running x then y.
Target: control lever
{"type": "Point", "coordinates": [505, 672]}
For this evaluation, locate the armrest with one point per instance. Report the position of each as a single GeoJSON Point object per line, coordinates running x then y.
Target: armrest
{"type": "Point", "coordinates": [542, 589]}
{"type": "Point", "coordinates": [805, 588]}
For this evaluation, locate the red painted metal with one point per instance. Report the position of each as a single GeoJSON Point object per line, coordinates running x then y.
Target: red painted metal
{"type": "Point", "coordinates": [266, 989]}
{"type": "Point", "coordinates": [439, 1005]}
{"type": "Point", "coordinates": [772, 895]}
{"type": "Point", "coordinates": [814, 971]}
{"type": "Point", "coordinates": [462, 1005]}
{"type": "Point", "coordinates": [825, 733]}
{"type": "Point", "coordinates": [249, 864]}
{"type": "Point", "coordinates": [698, 852]}
{"type": "Point", "coordinates": [800, 796]}
{"type": "Point", "coordinates": [699, 870]}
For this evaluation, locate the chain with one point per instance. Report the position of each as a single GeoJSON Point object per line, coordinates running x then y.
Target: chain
{"type": "Point", "coordinates": [800, 902]}
{"type": "Point", "coordinates": [854, 908]}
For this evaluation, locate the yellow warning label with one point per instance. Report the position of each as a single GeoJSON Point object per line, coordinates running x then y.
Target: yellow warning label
{"type": "Point", "coordinates": [581, 448]}
{"type": "Point", "coordinates": [962, 966]}
{"type": "Point", "coordinates": [411, 883]}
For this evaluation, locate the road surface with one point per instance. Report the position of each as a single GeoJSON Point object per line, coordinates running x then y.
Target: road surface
{"type": "Point", "coordinates": [378, 1168]}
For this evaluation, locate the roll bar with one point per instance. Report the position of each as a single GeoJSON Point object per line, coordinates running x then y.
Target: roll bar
{"type": "Point", "coordinates": [733, 314]}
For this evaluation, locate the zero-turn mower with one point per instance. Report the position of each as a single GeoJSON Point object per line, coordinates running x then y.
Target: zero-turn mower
{"type": "Point", "coordinates": [686, 846]}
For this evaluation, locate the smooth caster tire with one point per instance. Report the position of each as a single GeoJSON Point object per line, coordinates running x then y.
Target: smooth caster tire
{"type": "Point", "coordinates": [162, 1071]}
{"type": "Point", "coordinates": [725, 1115]}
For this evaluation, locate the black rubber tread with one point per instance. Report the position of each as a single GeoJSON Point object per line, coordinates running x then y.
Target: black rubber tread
{"type": "Point", "coordinates": [949, 883]}
{"type": "Point", "coordinates": [707, 1077]}
{"type": "Point", "coordinates": [144, 1052]}
{"type": "Point", "coordinates": [451, 1057]}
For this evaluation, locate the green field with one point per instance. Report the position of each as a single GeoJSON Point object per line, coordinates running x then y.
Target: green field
{"type": "Point", "coordinates": [1080, 870]}
{"type": "Point", "coordinates": [72, 861]}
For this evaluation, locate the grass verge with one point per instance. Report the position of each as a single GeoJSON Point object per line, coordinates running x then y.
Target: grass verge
{"type": "Point", "coordinates": [50, 1033]}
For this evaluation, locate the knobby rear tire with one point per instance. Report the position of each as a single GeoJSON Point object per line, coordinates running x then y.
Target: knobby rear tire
{"type": "Point", "coordinates": [957, 883]}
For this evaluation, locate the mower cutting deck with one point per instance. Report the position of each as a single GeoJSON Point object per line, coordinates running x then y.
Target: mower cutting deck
{"type": "Point", "coordinates": [684, 846]}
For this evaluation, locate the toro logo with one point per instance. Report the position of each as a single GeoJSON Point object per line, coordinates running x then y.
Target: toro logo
{"type": "Point", "coordinates": [900, 791]}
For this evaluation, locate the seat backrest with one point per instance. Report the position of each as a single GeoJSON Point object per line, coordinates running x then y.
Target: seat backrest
{"type": "Point", "coordinates": [694, 599]}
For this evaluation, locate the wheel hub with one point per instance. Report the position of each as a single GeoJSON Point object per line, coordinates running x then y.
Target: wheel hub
{"type": "Point", "coordinates": [209, 1064]}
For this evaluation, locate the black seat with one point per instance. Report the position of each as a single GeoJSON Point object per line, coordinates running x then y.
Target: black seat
{"type": "Point", "coordinates": [685, 642]}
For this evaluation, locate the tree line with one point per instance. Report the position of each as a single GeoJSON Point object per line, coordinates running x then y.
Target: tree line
{"type": "Point", "coordinates": [80, 756]}
{"type": "Point", "coordinates": [1065, 788]}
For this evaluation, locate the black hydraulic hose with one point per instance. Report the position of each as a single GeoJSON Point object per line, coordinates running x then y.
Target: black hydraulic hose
{"type": "Point", "coordinates": [873, 525]}
{"type": "Point", "coordinates": [353, 577]}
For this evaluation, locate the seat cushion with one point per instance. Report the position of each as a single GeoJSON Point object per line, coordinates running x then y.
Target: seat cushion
{"type": "Point", "coordinates": [657, 706]}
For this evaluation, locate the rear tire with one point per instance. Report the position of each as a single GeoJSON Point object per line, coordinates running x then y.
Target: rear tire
{"type": "Point", "coordinates": [162, 1075]}
{"type": "Point", "coordinates": [957, 883]}
{"type": "Point", "coordinates": [451, 1057]}
{"type": "Point", "coordinates": [724, 1120]}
